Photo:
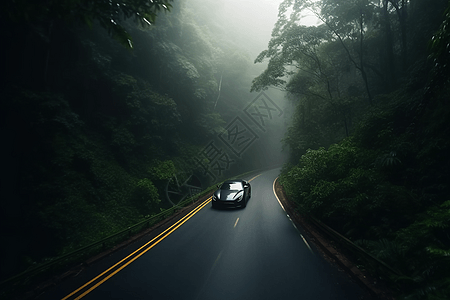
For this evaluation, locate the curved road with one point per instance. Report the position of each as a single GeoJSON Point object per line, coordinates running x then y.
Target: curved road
{"type": "Point", "coordinates": [251, 253]}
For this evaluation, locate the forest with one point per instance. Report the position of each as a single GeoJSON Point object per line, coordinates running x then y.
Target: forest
{"type": "Point", "coordinates": [369, 138]}
{"type": "Point", "coordinates": [103, 102]}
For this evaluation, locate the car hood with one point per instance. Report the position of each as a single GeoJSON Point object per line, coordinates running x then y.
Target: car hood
{"type": "Point", "coordinates": [228, 195]}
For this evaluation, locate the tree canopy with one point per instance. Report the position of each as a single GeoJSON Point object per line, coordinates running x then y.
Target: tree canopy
{"type": "Point", "coordinates": [370, 129]}
{"type": "Point", "coordinates": [92, 129]}
{"type": "Point", "coordinates": [110, 14]}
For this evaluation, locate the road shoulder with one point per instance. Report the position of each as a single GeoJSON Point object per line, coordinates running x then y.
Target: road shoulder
{"type": "Point", "coordinates": [330, 250]}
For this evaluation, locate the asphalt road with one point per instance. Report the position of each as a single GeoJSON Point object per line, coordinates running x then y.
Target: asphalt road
{"type": "Point", "coordinates": [251, 253]}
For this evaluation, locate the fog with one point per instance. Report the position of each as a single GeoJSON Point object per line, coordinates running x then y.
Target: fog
{"type": "Point", "coordinates": [101, 116]}
{"type": "Point", "coordinates": [248, 23]}
{"type": "Point", "coordinates": [248, 26]}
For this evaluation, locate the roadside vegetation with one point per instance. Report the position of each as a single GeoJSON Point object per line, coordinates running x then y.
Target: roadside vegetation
{"type": "Point", "coordinates": [102, 103]}
{"type": "Point", "coordinates": [369, 141]}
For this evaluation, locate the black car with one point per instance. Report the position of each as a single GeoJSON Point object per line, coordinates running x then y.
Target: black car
{"type": "Point", "coordinates": [232, 193]}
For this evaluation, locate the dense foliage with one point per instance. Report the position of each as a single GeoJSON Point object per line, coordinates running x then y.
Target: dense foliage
{"type": "Point", "coordinates": [110, 14]}
{"type": "Point", "coordinates": [92, 129]}
{"type": "Point", "coordinates": [370, 135]}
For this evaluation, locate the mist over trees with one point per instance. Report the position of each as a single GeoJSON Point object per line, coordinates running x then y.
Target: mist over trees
{"type": "Point", "coordinates": [102, 103]}
{"type": "Point", "coordinates": [369, 138]}
{"type": "Point", "coordinates": [361, 49]}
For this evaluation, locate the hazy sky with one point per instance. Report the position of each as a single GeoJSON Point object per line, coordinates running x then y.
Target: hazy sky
{"type": "Point", "coordinates": [251, 21]}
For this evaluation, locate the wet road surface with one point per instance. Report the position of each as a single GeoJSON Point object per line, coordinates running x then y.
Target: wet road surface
{"type": "Point", "coordinates": [251, 253]}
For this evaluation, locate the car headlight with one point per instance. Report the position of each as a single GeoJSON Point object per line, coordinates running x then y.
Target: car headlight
{"type": "Point", "coordinates": [214, 198]}
{"type": "Point", "coordinates": [239, 199]}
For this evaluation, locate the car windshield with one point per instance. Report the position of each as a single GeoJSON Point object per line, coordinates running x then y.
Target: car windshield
{"type": "Point", "coordinates": [231, 186]}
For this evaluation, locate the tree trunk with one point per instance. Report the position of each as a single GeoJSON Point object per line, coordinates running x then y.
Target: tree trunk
{"type": "Point", "coordinates": [361, 50]}
{"type": "Point", "coordinates": [390, 77]}
{"type": "Point", "coordinates": [402, 15]}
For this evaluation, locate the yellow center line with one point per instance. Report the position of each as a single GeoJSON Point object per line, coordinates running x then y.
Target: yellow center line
{"type": "Point", "coordinates": [161, 236]}
{"type": "Point", "coordinates": [129, 259]}
{"type": "Point", "coordinates": [255, 177]}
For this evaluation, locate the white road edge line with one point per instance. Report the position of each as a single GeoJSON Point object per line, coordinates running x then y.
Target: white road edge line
{"type": "Point", "coordinates": [292, 222]}
{"type": "Point", "coordinates": [273, 187]}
